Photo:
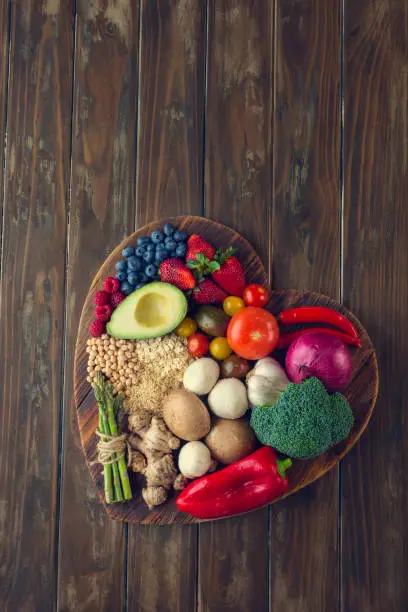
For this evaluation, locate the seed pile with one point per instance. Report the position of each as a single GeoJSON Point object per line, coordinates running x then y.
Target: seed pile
{"type": "Point", "coordinates": [145, 371]}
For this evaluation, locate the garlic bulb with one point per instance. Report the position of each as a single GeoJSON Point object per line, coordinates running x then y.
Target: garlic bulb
{"type": "Point", "coordinates": [266, 382]}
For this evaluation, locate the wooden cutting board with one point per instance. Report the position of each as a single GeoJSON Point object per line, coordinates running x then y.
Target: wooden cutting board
{"type": "Point", "coordinates": [361, 393]}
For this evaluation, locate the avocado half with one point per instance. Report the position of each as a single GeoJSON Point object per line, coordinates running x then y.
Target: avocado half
{"type": "Point", "coordinates": [154, 310]}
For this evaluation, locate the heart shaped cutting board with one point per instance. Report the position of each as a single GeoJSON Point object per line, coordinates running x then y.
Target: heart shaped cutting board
{"type": "Point", "coordinates": [361, 393]}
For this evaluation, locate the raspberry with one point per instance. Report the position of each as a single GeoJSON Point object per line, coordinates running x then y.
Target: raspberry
{"type": "Point", "coordinates": [97, 328]}
{"type": "Point", "coordinates": [103, 313]}
{"type": "Point", "coordinates": [101, 298]}
{"type": "Point", "coordinates": [117, 298]}
{"type": "Point", "coordinates": [111, 284]}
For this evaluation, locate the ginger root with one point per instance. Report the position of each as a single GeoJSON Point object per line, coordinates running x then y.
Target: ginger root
{"type": "Point", "coordinates": [152, 445]}
{"type": "Point", "coordinates": [180, 482]}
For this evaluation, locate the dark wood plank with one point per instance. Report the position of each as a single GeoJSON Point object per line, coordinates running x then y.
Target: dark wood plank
{"type": "Point", "coordinates": [4, 56]}
{"type": "Point", "coordinates": [305, 240]}
{"type": "Point", "coordinates": [375, 481]}
{"type": "Point", "coordinates": [233, 554]}
{"type": "Point", "coordinates": [170, 182]}
{"type": "Point", "coordinates": [32, 300]}
{"type": "Point", "coordinates": [92, 547]}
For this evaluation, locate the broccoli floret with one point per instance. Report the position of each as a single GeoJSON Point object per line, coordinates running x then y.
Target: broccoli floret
{"type": "Point", "coordinates": [342, 418]}
{"type": "Point", "coordinates": [304, 422]}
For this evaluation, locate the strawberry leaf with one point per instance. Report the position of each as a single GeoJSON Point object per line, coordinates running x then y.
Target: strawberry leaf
{"type": "Point", "coordinates": [222, 256]}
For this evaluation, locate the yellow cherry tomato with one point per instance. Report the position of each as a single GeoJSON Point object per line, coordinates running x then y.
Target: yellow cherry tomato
{"type": "Point", "coordinates": [232, 305]}
{"type": "Point", "coordinates": [219, 348]}
{"type": "Point", "coordinates": [187, 327]}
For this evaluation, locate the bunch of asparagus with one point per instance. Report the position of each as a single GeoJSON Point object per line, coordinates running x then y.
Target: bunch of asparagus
{"type": "Point", "coordinates": [116, 479]}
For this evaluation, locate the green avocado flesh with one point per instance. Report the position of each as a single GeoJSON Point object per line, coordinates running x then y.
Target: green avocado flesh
{"type": "Point", "coordinates": [154, 310]}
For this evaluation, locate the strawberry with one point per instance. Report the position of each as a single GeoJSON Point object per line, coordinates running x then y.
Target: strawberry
{"type": "Point", "coordinates": [97, 328]}
{"type": "Point", "coordinates": [103, 313]}
{"type": "Point", "coordinates": [208, 292]}
{"type": "Point", "coordinates": [230, 275]}
{"type": "Point", "coordinates": [101, 298]}
{"type": "Point", "coordinates": [175, 272]}
{"type": "Point", "coordinates": [198, 246]}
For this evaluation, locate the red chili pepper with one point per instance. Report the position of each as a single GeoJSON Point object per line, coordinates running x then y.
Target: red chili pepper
{"type": "Point", "coordinates": [286, 339]}
{"type": "Point", "coordinates": [249, 483]}
{"type": "Point", "coordinates": [318, 314]}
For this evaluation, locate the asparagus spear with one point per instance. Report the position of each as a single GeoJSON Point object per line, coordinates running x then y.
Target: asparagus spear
{"type": "Point", "coordinates": [107, 469]}
{"type": "Point", "coordinates": [127, 491]}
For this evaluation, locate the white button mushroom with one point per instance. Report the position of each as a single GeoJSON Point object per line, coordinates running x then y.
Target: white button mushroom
{"type": "Point", "coordinates": [228, 399]}
{"type": "Point", "coordinates": [194, 459]}
{"type": "Point", "coordinates": [201, 375]}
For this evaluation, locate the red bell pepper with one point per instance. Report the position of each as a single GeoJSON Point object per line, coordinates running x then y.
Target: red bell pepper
{"type": "Point", "coordinates": [245, 485]}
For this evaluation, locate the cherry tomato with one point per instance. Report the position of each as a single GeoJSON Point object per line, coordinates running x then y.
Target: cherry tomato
{"type": "Point", "coordinates": [256, 295]}
{"type": "Point", "coordinates": [234, 367]}
{"type": "Point", "coordinates": [253, 333]}
{"type": "Point", "coordinates": [219, 348]}
{"type": "Point", "coordinates": [232, 305]}
{"type": "Point", "coordinates": [187, 327]}
{"type": "Point", "coordinates": [198, 344]}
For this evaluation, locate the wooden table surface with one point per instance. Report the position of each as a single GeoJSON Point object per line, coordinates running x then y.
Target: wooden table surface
{"type": "Point", "coordinates": [285, 119]}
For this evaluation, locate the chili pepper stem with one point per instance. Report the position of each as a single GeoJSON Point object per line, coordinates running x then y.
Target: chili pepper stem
{"type": "Point", "coordinates": [283, 465]}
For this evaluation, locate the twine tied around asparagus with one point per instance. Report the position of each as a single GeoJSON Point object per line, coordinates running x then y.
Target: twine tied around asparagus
{"type": "Point", "coordinates": [112, 448]}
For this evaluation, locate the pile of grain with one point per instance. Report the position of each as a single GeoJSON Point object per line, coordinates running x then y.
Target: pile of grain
{"type": "Point", "coordinates": [145, 371]}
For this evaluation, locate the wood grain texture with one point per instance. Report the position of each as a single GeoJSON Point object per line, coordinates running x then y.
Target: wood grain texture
{"type": "Point", "coordinates": [32, 301]}
{"type": "Point", "coordinates": [4, 56]}
{"type": "Point", "coordinates": [305, 243]}
{"type": "Point", "coordinates": [169, 182]}
{"type": "Point", "coordinates": [92, 548]}
{"type": "Point", "coordinates": [233, 556]}
{"type": "Point", "coordinates": [375, 481]}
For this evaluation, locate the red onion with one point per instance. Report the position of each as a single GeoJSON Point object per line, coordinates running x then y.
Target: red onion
{"type": "Point", "coordinates": [320, 355]}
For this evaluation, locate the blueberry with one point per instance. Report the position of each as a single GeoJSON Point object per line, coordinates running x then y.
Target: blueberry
{"type": "Point", "coordinates": [128, 251]}
{"type": "Point", "coordinates": [135, 264]}
{"type": "Point", "coordinates": [126, 288]}
{"type": "Point", "coordinates": [132, 278]}
{"type": "Point", "coordinates": [171, 246]}
{"type": "Point", "coordinates": [121, 266]}
{"type": "Point", "coordinates": [150, 247]}
{"type": "Point", "coordinates": [161, 256]}
{"type": "Point", "coordinates": [168, 239]}
{"type": "Point", "coordinates": [142, 278]}
{"type": "Point", "coordinates": [157, 237]}
{"type": "Point", "coordinates": [180, 236]}
{"type": "Point", "coordinates": [149, 257]}
{"type": "Point", "coordinates": [140, 285]}
{"type": "Point", "coordinates": [143, 240]}
{"type": "Point", "coordinates": [168, 229]}
{"type": "Point", "coordinates": [140, 251]}
{"type": "Point", "coordinates": [121, 276]}
{"type": "Point", "coordinates": [181, 250]}
{"type": "Point", "coordinates": [151, 271]}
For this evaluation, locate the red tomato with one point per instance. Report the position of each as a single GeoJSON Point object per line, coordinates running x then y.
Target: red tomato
{"type": "Point", "coordinates": [256, 295]}
{"type": "Point", "coordinates": [253, 333]}
{"type": "Point", "coordinates": [198, 344]}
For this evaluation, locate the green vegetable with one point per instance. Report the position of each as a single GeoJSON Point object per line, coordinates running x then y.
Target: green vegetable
{"type": "Point", "coordinates": [116, 471]}
{"type": "Point", "coordinates": [305, 421]}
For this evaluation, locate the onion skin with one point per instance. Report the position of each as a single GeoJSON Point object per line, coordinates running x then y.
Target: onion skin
{"type": "Point", "coordinates": [320, 355]}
